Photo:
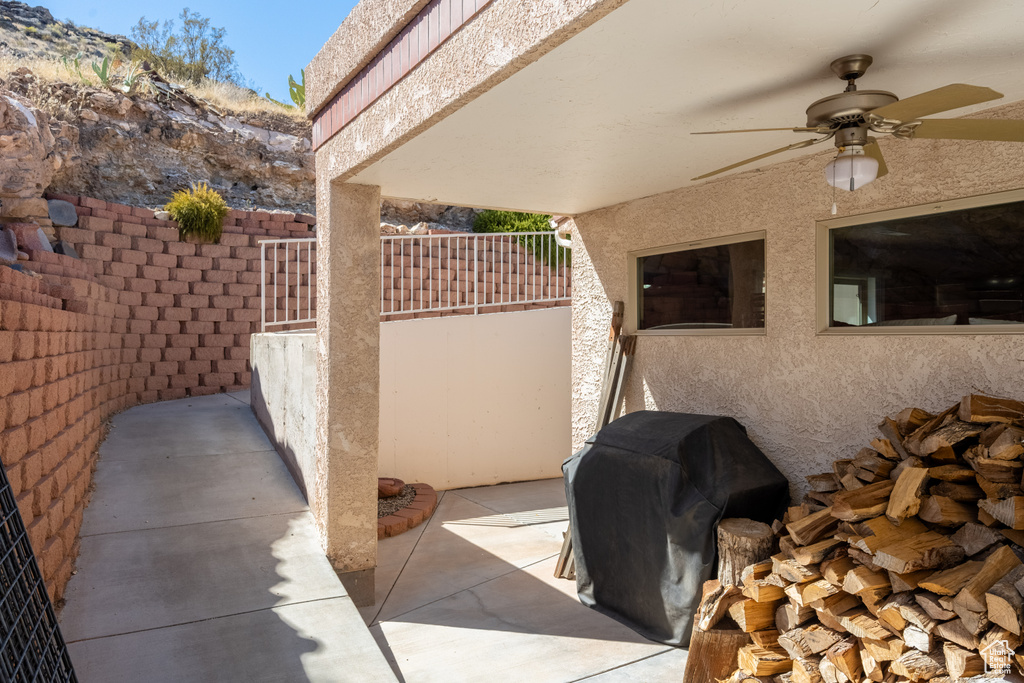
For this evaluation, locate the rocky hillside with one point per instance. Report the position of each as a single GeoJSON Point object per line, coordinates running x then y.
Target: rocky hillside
{"type": "Point", "coordinates": [32, 32]}
{"type": "Point", "coordinates": [138, 148]}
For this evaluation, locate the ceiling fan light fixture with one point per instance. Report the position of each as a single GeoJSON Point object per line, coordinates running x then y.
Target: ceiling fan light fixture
{"type": "Point", "coordinates": [851, 169]}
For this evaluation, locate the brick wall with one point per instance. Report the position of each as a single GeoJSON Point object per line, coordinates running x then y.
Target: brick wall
{"type": "Point", "coordinates": [140, 317]}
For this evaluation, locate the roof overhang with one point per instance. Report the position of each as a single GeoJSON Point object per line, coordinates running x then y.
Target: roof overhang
{"type": "Point", "coordinates": [604, 114]}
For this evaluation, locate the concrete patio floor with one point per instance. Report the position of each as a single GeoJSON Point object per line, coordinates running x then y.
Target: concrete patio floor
{"type": "Point", "coordinates": [199, 562]}
{"type": "Point", "coordinates": [470, 596]}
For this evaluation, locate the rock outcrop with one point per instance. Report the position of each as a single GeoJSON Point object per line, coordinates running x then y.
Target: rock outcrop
{"type": "Point", "coordinates": [27, 32]}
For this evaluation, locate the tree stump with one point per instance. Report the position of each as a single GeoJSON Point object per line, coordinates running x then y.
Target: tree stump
{"type": "Point", "coordinates": [741, 542]}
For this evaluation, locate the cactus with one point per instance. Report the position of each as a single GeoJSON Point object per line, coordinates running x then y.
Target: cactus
{"type": "Point", "coordinates": [298, 90]}
{"type": "Point", "coordinates": [103, 72]}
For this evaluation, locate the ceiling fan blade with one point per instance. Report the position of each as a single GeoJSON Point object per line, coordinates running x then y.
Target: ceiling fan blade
{"type": "Point", "coordinates": [795, 145]}
{"type": "Point", "coordinates": [1007, 130]}
{"type": "Point", "coordinates": [934, 101]}
{"type": "Point", "coordinates": [753, 130]}
{"type": "Point", "coordinates": [875, 152]}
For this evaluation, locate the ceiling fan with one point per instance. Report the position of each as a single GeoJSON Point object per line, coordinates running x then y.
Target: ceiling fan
{"type": "Point", "coordinates": [851, 115]}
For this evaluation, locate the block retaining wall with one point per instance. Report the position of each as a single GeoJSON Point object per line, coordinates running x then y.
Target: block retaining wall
{"type": "Point", "coordinates": [140, 317]}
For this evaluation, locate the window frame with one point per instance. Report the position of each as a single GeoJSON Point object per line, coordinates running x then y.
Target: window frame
{"type": "Point", "coordinates": [635, 276]}
{"type": "Point", "coordinates": [823, 268]}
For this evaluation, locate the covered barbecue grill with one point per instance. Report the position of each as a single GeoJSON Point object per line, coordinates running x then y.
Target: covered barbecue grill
{"type": "Point", "coordinates": [645, 496]}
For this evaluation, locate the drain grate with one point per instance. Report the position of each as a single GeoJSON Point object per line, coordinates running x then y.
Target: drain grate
{"type": "Point", "coordinates": [32, 648]}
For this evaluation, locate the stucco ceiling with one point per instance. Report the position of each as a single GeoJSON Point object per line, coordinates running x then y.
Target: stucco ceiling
{"type": "Point", "coordinates": [606, 117]}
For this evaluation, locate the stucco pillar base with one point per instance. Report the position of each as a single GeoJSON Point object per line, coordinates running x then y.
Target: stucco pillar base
{"type": "Point", "coordinates": [359, 586]}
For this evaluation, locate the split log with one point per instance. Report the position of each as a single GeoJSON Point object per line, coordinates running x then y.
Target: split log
{"type": "Point", "coordinates": [997, 471]}
{"type": "Point", "coordinates": [879, 532]}
{"type": "Point", "coordinates": [763, 591]}
{"type": "Point", "coordinates": [1010, 511]}
{"type": "Point", "coordinates": [994, 489]}
{"type": "Point", "coordinates": [755, 571]}
{"type": "Point", "coordinates": [916, 615]}
{"type": "Point", "coordinates": [872, 462]}
{"type": "Point", "coordinates": [885, 649]}
{"type": "Point", "coordinates": [885, 448]}
{"type": "Point", "coordinates": [918, 639]}
{"type": "Point", "coordinates": [806, 670]}
{"type": "Point", "coordinates": [891, 432]}
{"type": "Point", "coordinates": [955, 632]}
{"type": "Point", "coordinates": [974, 538]}
{"type": "Point", "coordinates": [952, 473]}
{"type": "Point", "coordinates": [800, 643]}
{"type": "Point", "coordinates": [760, 661]}
{"type": "Point", "coordinates": [712, 654]}
{"type": "Point", "coordinates": [768, 638]}
{"type": "Point", "coordinates": [909, 419]}
{"type": "Point", "coordinates": [962, 662]}
{"type": "Point", "coordinates": [979, 408]}
{"type": "Point", "coordinates": [863, 503]}
{"type": "Point", "coordinates": [793, 571]}
{"type": "Point", "coordinates": [715, 604]}
{"type": "Point", "coordinates": [939, 444]}
{"type": "Point", "coordinates": [1009, 445]}
{"type": "Point", "coordinates": [862, 579]}
{"type": "Point", "coordinates": [751, 615]}
{"type": "Point", "coordinates": [845, 657]}
{"type": "Point", "coordinates": [914, 441]}
{"type": "Point", "coordinates": [835, 570]}
{"type": "Point", "coordinates": [923, 551]}
{"type": "Point", "coordinates": [919, 666]}
{"type": "Point", "coordinates": [789, 616]}
{"type": "Point", "coordinates": [996, 566]}
{"type": "Point", "coordinates": [946, 511]}
{"type": "Point", "coordinates": [908, 581]}
{"type": "Point", "coordinates": [860, 623]}
{"type": "Point", "coordinates": [816, 590]}
{"type": "Point", "coordinates": [951, 581]}
{"type": "Point", "coordinates": [814, 553]}
{"type": "Point", "coordinates": [889, 612]}
{"type": "Point", "coordinates": [1004, 602]}
{"type": "Point", "coordinates": [962, 492]}
{"type": "Point", "coordinates": [813, 527]}
{"type": "Point", "coordinates": [997, 634]}
{"type": "Point", "coordinates": [905, 500]}
{"type": "Point", "coordinates": [930, 604]}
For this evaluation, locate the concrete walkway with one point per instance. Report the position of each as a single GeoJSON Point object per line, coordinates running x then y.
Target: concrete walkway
{"type": "Point", "coordinates": [200, 562]}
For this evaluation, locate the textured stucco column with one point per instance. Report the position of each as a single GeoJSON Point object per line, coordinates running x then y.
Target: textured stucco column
{"type": "Point", "coordinates": [344, 495]}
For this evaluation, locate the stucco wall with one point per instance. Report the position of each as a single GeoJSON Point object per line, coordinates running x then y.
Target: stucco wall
{"type": "Point", "coordinates": [806, 399]}
{"type": "Point", "coordinates": [464, 401]}
{"type": "Point", "coordinates": [475, 400]}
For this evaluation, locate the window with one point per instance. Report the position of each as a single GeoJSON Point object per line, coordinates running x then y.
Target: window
{"type": "Point", "coordinates": [956, 266]}
{"type": "Point", "coordinates": [702, 287]}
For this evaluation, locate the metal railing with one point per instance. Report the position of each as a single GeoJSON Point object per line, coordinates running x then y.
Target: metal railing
{"type": "Point", "coordinates": [461, 272]}
{"type": "Point", "coordinates": [291, 281]}
{"type": "Point", "coordinates": [468, 271]}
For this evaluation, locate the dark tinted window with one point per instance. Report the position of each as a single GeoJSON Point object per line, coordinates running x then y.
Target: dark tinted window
{"type": "Point", "coordinates": [703, 288]}
{"type": "Point", "coordinates": [962, 267]}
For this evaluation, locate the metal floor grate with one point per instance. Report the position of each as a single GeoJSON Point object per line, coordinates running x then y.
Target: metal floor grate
{"type": "Point", "coordinates": [32, 649]}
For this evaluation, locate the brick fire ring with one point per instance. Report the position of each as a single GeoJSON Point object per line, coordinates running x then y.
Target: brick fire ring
{"type": "Point", "coordinates": [412, 515]}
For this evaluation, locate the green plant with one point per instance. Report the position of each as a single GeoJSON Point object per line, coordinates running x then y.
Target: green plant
{"type": "Point", "coordinates": [297, 91]}
{"type": "Point", "coordinates": [278, 102]}
{"type": "Point", "coordinates": [194, 52]}
{"type": "Point", "coordinates": [103, 72]}
{"type": "Point", "coordinates": [199, 212]}
{"type": "Point", "coordinates": [74, 67]}
{"type": "Point", "coordinates": [542, 246]}
{"type": "Point", "coordinates": [134, 77]}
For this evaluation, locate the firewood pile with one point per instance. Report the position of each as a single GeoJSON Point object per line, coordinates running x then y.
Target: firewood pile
{"type": "Point", "coordinates": [902, 564]}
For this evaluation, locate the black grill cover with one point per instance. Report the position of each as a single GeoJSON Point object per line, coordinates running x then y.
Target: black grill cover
{"type": "Point", "coordinates": [645, 496]}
